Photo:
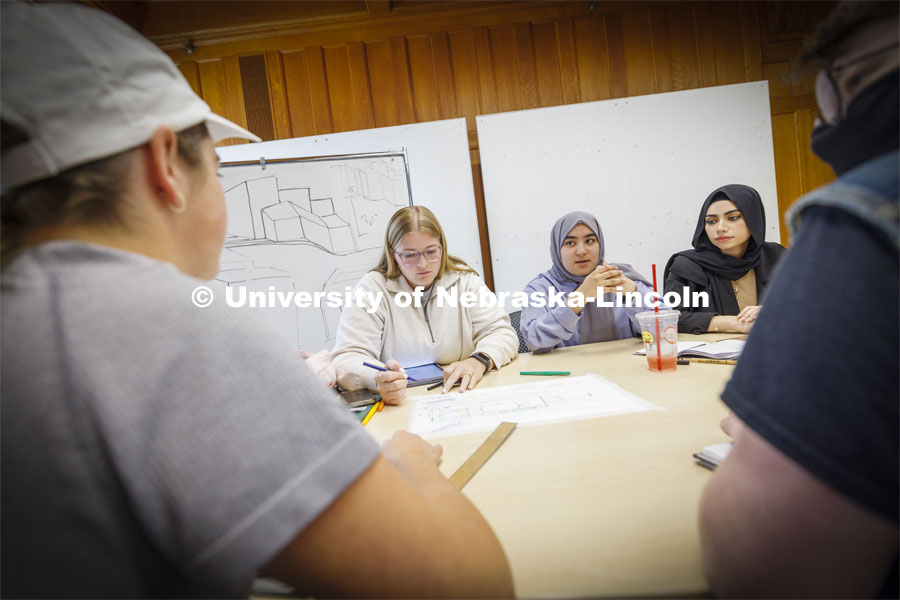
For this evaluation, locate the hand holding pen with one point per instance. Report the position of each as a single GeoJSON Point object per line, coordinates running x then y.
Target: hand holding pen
{"type": "Point", "coordinates": [390, 381]}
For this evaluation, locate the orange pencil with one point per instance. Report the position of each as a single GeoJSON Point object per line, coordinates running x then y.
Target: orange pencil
{"type": "Point", "coordinates": [371, 412]}
{"type": "Point", "coordinates": [380, 406]}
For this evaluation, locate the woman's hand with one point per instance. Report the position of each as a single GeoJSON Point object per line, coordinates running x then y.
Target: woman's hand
{"type": "Point", "coordinates": [391, 384]}
{"type": "Point", "coordinates": [606, 278]}
{"type": "Point", "coordinates": [617, 279]}
{"type": "Point", "coordinates": [749, 314]}
{"type": "Point", "coordinates": [729, 323]}
{"type": "Point", "coordinates": [468, 372]}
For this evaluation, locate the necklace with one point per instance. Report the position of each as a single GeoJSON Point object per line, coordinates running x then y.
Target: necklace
{"type": "Point", "coordinates": [737, 295]}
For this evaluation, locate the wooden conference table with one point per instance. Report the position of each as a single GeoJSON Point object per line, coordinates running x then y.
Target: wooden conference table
{"type": "Point", "coordinates": [604, 506]}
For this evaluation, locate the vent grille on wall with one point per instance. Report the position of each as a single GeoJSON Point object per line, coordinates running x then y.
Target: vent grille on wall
{"type": "Point", "coordinates": [256, 96]}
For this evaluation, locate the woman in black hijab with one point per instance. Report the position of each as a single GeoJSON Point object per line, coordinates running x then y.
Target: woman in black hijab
{"type": "Point", "coordinates": [731, 261]}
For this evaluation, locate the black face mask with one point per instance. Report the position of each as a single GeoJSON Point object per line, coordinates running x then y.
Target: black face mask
{"type": "Point", "coordinates": [869, 129]}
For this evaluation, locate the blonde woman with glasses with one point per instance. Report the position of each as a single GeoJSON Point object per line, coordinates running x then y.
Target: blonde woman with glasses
{"type": "Point", "coordinates": [468, 341]}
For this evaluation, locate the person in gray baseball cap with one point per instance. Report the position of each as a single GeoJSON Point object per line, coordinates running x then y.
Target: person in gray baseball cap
{"type": "Point", "coordinates": [149, 447]}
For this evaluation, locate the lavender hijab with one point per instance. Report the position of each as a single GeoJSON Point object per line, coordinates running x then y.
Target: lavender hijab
{"type": "Point", "coordinates": [597, 323]}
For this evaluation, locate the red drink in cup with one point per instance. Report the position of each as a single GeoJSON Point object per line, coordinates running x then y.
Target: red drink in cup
{"type": "Point", "coordinates": [660, 333]}
{"type": "Point", "coordinates": [663, 363]}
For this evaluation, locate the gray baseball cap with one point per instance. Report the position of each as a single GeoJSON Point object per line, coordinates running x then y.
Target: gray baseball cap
{"type": "Point", "coordinates": [81, 85]}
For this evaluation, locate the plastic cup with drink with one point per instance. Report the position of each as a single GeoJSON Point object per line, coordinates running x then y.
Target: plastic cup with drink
{"type": "Point", "coordinates": [660, 333]}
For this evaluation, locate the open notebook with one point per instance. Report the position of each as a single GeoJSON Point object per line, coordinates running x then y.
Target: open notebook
{"type": "Point", "coordinates": [725, 350]}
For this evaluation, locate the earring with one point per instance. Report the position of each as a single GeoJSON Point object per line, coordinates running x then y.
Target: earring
{"type": "Point", "coordinates": [182, 203]}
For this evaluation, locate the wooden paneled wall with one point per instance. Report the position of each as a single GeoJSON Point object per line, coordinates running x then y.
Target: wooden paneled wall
{"type": "Point", "coordinates": [377, 64]}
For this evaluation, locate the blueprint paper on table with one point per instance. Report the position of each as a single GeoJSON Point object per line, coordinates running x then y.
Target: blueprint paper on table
{"type": "Point", "coordinates": [557, 399]}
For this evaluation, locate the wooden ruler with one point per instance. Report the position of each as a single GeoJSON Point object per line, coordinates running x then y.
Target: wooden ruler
{"type": "Point", "coordinates": [481, 455]}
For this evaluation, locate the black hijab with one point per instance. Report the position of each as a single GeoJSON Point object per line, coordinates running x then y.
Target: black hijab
{"type": "Point", "coordinates": [708, 256]}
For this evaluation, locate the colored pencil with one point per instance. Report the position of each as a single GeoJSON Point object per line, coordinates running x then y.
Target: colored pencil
{"type": "Point", "coordinates": [369, 414]}
{"type": "Point", "coordinates": [545, 373]}
{"type": "Point", "coordinates": [437, 385]}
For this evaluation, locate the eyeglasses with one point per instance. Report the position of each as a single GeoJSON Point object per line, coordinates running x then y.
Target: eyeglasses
{"type": "Point", "coordinates": [411, 259]}
{"type": "Point", "coordinates": [828, 94]}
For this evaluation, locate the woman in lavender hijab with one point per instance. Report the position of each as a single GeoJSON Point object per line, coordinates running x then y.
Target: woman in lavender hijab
{"type": "Point", "coordinates": [577, 252]}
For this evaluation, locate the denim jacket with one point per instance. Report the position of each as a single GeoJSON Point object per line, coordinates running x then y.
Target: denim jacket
{"type": "Point", "coordinates": [869, 192]}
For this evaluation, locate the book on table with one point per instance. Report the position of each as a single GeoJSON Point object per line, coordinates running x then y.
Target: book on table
{"type": "Point", "coordinates": [711, 456]}
{"type": "Point", "coordinates": [724, 350]}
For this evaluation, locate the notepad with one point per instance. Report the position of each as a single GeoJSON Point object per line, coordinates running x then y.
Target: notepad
{"type": "Point", "coordinates": [724, 350]}
{"type": "Point", "coordinates": [711, 456]}
{"type": "Point", "coordinates": [424, 374]}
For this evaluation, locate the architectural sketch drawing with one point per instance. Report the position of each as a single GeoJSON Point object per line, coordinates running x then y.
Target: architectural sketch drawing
{"type": "Point", "coordinates": [310, 225]}
{"type": "Point", "coordinates": [562, 399]}
{"type": "Point", "coordinates": [339, 280]}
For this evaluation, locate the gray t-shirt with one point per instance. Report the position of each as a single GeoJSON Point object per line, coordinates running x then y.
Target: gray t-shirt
{"type": "Point", "coordinates": [150, 447]}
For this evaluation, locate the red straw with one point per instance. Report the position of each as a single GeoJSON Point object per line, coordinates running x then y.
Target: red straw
{"type": "Point", "coordinates": [656, 310]}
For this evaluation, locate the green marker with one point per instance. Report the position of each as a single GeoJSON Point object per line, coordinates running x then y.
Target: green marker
{"type": "Point", "coordinates": [548, 373]}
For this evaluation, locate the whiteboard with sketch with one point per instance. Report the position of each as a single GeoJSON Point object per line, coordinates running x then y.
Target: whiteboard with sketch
{"type": "Point", "coordinates": [642, 165]}
{"type": "Point", "coordinates": [310, 217]}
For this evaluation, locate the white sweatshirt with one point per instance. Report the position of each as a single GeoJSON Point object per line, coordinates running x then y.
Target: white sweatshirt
{"type": "Point", "coordinates": [415, 336]}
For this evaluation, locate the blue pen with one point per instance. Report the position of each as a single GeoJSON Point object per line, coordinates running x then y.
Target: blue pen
{"type": "Point", "coordinates": [377, 368]}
